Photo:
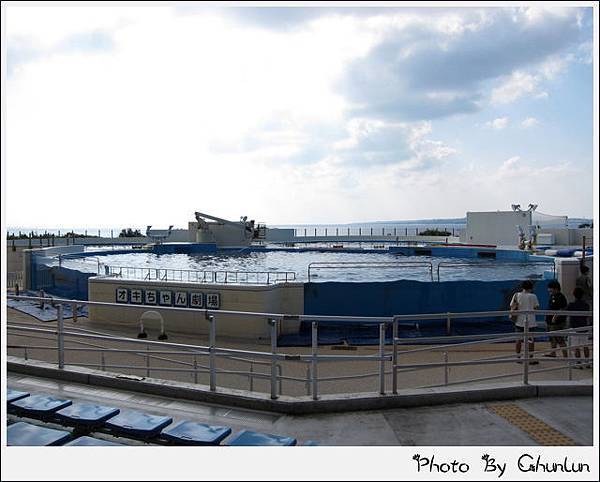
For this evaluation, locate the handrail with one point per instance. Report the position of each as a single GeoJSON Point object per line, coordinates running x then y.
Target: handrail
{"type": "Point", "coordinates": [369, 264]}
{"type": "Point", "coordinates": [275, 357]}
{"type": "Point", "coordinates": [201, 276]}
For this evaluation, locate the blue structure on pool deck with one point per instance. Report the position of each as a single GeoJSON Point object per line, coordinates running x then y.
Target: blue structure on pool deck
{"type": "Point", "coordinates": [407, 297]}
{"type": "Point", "coordinates": [469, 252]}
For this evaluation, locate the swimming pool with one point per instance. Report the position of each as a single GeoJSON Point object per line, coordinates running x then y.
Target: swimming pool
{"type": "Point", "coordinates": [317, 266]}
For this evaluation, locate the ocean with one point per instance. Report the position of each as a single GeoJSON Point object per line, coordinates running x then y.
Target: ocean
{"type": "Point", "coordinates": [389, 228]}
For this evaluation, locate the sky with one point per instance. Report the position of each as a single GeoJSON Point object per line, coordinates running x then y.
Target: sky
{"type": "Point", "coordinates": [128, 116]}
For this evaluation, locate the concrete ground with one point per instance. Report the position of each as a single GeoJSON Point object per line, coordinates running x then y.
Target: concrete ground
{"type": "Point", "coordinates": [167, 365]}
{"type": "Point", "coordinates": [452, 425]}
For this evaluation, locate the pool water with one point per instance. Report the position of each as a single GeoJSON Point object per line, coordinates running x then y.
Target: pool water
{"type": "Point", "coordinates": [404, 267]}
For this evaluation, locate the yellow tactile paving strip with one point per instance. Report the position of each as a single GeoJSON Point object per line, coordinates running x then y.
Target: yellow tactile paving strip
{"type": "Point", "coordinates": [541, 432]}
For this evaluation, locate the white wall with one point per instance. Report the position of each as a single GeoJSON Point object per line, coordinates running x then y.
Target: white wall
{"type": "Point", "coordinates": [279, 234]}
{"type": "Point", "coordinates": [497, 227]}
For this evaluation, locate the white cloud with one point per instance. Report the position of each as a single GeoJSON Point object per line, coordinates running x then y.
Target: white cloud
{"type": "Point", "coordinates": [530, 122]}
{"type": "Point", "coordinates": [515, 167]}
{"type": "Point", "coordinates": [224, 116]}
{"type": "Point", "coordinates": [516, 86]}
{"type": "Point", "coordinates": [523, 83]}
{"type": "Point", "coordinates": [498, 124]}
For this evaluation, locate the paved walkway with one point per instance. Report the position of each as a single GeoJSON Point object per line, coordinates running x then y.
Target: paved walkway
{"type": "Point", "coordinates": [455, 425]}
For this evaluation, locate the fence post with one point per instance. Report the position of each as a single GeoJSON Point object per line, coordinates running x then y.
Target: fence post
{"type": "Point", "coordinates": [280, 375]}
{"type": "Point", "coordinates": [526, 354]}
{"type": "Point", "coordinates": [102, 361]}
{"type": "Point", "coordinates": [307, 380]}
{"type": "Point", "coordinates": [570, 363]}
{"type": "Point", "coordinates": [195, 369]}
{"type": "Point", "coordinates": [61, 337]}
{"type": "Point", "coordinates": [446, 368]}
{"type": "Point", "coordinates": [148, 361]}
{"type": "Point", "coordinates": [251, 376]}
{"type": "Point", "coordinates": [448, 324]}
{"type": "Point", "coordinates": [394, 357]}
{"type": "Point", "coordinates": [211, 351]}
{"type": "Point", "coordinates": [313, 372]}
{"type": "Point", "coordinates": [273, 325]}
{"type": "Point", "coordinates": [381, 359]}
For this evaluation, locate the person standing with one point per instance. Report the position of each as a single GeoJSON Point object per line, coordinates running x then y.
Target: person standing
{"type": "Point", "coordinates": [556, 322]}
{"type": "Point", "coordinates": [579, 322]}
{"type": "Point", "coordinates": [584, 281]}
{"type": "Point", "coordinates": [525, 300]}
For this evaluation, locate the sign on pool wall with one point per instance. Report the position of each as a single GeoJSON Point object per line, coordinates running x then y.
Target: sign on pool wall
{"type": "Point", "coordinates": [179, 299]}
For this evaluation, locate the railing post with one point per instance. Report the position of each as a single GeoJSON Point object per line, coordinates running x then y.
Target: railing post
{"type": "Point", "coordinates": [148, 361]}
{"type": "Point", "coordinates": [569, 363]}
{"type": "Point", "coordinates": [381, 359]}
{"type": "Point", "coordinates": [526, 353]}
{"type": "Point", "coordinates": [280, 375]}
{"type": "Point", "coordinates": [195, 369]}
{"type": "Point", "coordinates": [212, 354]}
{"type": "Point", "coordinates": [251, 376]}
{"type": "Point", "coordinates": [273, 325]}
{"type": "Point", "coordinates": [446, 368]}
{"type": "Point", "coordinates": [102, 361]}
{"type": "Point", "coordinates": [448, 324]}
{"type": "Point", "coordinates": [307, 383]}
{"type": "Point", "coordinates": [394, 357]}
{"type": "Point", "coordinates": [313, 372]}
{"type": "Point", "coordinates": [61, 337]}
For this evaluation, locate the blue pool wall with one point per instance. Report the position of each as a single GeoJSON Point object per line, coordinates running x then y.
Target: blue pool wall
{"type": "Point", "coordinates": [406, 297]}
{"type": "Point", "coordinates": [470, 253]}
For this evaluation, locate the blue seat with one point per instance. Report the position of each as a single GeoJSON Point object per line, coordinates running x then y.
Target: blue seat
{"type": "Point", "coordinates": [91, 442]}
{"type": "Point", "coordinates": [86, 414]}
{"type": "Point", "coordinates": [38, 405]}
{"type": "Point", "coordinates": [250, 438]}
{"type": "Point", "coordinates": [27, 434]}
{"type": "Point", "coordinates": [14, 395]}
{"type": "Point", "coordinates": [193, 433]}
{"type": "Point", "coordinates": [137, 424]}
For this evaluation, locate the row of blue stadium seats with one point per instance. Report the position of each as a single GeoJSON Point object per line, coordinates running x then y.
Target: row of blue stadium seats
{"type": "Point", "coordinates": [88, 417]}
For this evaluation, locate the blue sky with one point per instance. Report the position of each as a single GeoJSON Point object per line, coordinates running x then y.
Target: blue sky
{"type": "Point", "coordinates": [296, 115]}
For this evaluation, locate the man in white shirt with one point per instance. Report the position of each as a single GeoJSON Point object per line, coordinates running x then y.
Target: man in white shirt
{"type": "Point", "coordinates": [525, 300]}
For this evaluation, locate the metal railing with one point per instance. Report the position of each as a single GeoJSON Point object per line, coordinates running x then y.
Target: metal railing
{"type": "Point", "coordinates": [200, 276]}
{"type": "Point", "coordinates": [372, 231]}
{"type": "Point", "coordinates": [370, 264]}
{"type": "Point", "coordinates": [274, 358]}
{"type": "Point", "coordinates": [14, 278]}
{"type": "Point", "coordinates": [494, 264]}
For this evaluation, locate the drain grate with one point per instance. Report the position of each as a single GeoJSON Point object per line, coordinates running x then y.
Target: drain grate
{"type": "Point", "coordinates": [538, 430]}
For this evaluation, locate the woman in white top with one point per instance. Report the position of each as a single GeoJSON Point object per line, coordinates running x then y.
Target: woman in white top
{"type": "Point", "coordinates": [525, 300]}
